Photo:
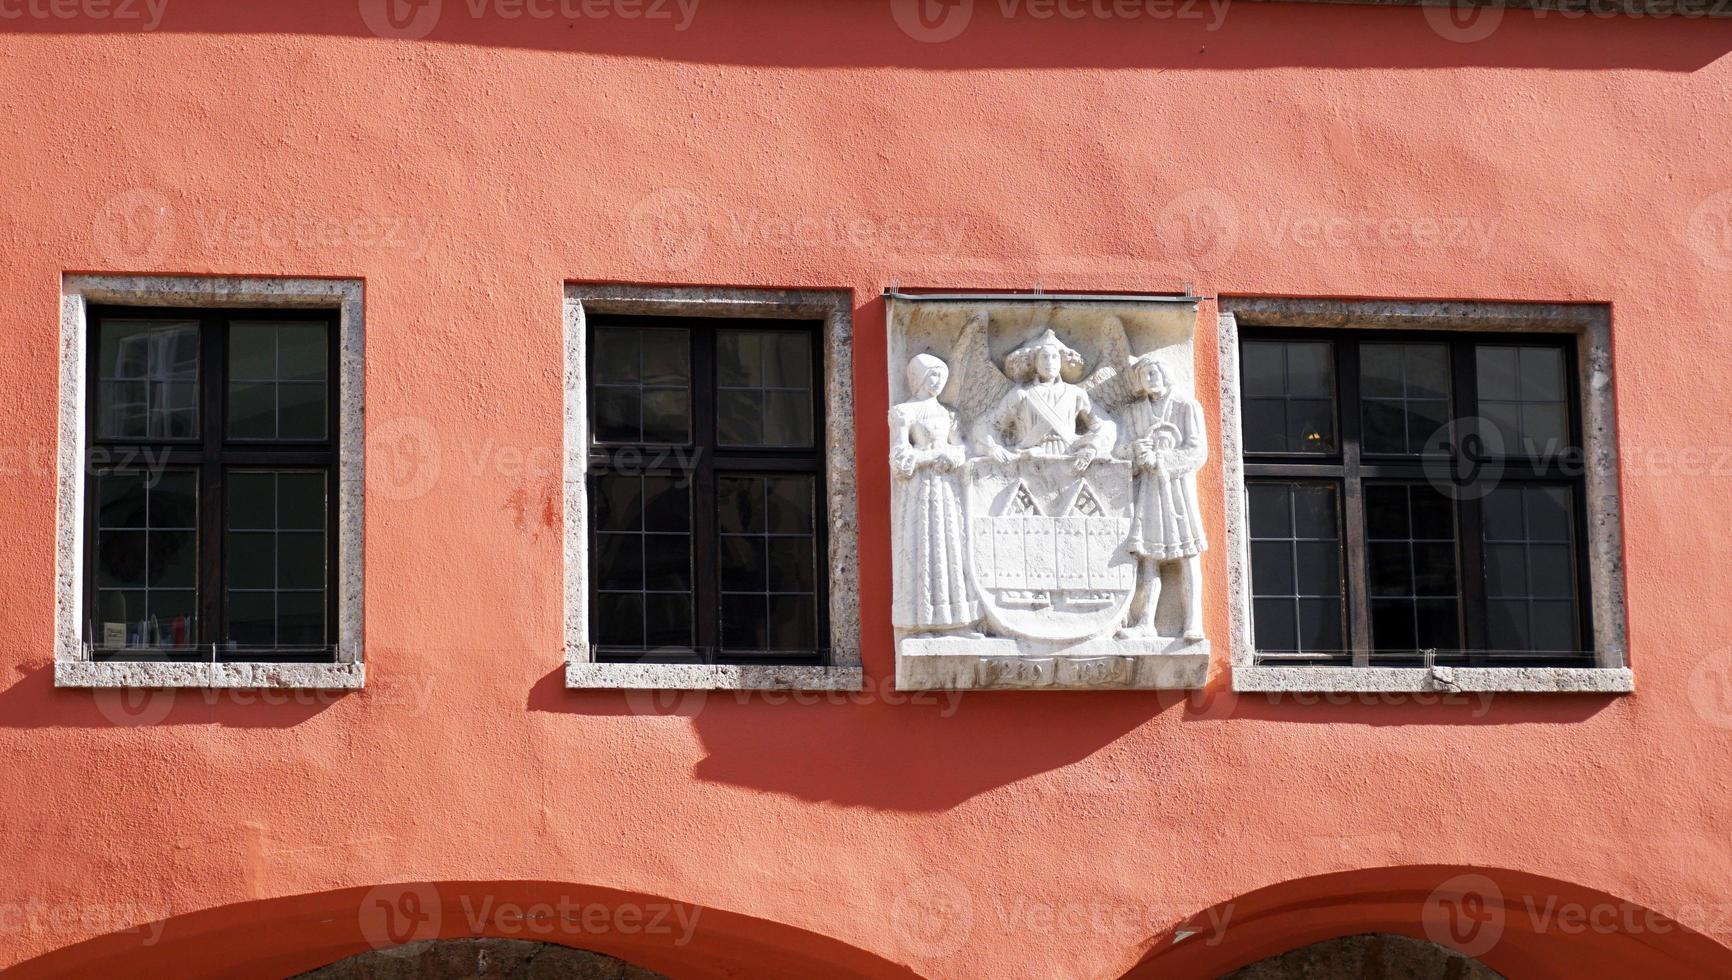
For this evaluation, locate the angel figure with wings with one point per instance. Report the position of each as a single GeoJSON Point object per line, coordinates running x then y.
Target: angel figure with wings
{"type": "Point", "coordinates": [1045, 412]}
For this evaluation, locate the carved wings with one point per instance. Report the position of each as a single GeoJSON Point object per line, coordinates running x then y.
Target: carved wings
{"type": "Point", "coordinates": [976, 383]}
{"type": "Point", "coordinates": [1109, 387]}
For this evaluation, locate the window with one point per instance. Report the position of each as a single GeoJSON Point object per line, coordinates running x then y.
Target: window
{"type": "Point", "coordinates": [706, 491]}
{"type": "Point", "coordinates": [211, 468]}
{"type": "Point", "coordinates": [1414, 499]}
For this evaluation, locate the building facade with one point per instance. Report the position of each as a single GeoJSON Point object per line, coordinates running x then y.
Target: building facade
{"type": "Point", "coordinates": [758, 489]}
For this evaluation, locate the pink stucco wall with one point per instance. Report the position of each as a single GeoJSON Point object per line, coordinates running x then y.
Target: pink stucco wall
{"type": "Point", "coordinates": [1328, 151]}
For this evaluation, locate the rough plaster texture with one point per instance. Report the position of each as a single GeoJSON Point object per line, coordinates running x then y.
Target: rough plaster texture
{"type": "Point", "coordinates": [816, 146]}
{"type": "Point", "coordinates": [78, 292]}
{"type": "Point", "coordinates": [1591, 326]}
{"type": "Point", "coordinates": [833, 308]}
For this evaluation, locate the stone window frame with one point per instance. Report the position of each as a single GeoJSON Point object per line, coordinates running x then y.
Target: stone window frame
{"type": "Point", "coordinates": [836, 309]}
{"type": "Point", "coordinates": [1590, 325]}
{"type": "Point", "coordinates": [79, 292]}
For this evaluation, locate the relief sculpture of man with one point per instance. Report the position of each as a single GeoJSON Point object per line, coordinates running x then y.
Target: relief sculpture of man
{"type": "Point", "coordinates": [1047, 413]}
{"type": "Point", "coordinates": [1166, 446]}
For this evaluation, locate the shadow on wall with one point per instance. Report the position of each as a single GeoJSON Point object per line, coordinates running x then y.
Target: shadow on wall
{"type": "Point", "coordinates": [33, 701]}
{"type": "Point", "coordinates": [960, 34]}
{"type": "Point", "coordinates": [287, 936]}
{"type": "Point", "coordinates": [925, 751]}
{"type": "Point", "coordinates": [1518, 924]}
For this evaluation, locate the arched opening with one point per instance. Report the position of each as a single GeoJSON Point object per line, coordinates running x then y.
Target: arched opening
{"type": "Point", "coordinates": [1508, 923]}
{"type": "Point", "coordinates": [1374, 956]}
{"type": "Point", "coordinates": [300, 934]}
{"type": "Point", "coordinates": [480, 958]}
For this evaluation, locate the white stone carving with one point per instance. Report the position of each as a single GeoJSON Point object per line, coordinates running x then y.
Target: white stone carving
{"type": "Point", "coordinates": [1040, 507]}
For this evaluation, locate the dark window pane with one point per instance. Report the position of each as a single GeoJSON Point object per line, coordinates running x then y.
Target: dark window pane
{"type": "Point", "coordinates": [1543, 430]}
{"type": "Point", "coordinates": [667, 505]}
{"type": "Point", "coordinates": [791, 565]}
{"type": "Point", "coordinates": [1436, 625]}
{"type": "Point", "coordinates": [665, 415]}
{"type": "Point", "coordinates": [1386, 512]}
{"type": "Point", "coordinates": [740, 417]}
{"type": "Point", "coordinates": [252, 352]}
{"type": "Point", "coordinates": [147, 374]}
{"type": "Point", "coordinates": [174, 617]}
{"type": "Point", "coordinates": [1380, 371]}
{"type": "Point", "coordinates": [744, 563]}
{"type": "Point", "coordinates": [1320, 625]}
{"type": "Point", "coordinates": [300, 618]}
{"type": "Point", "coordinates": [787, 418]}
{"type": "Point", "coordinates": [252, 410]}
{"type": "Point", "coordinates": [301, 560]}
{"type": "Point", "coordinates": [740, 504]}
{"type": "Point", "coordinates": [1505, 570]}
{"type": "Point", "coordinates": [1273, 621]}
{"type": "Point", "coordinates": [1428, 427]}
{"type": "Point", "coordinates": [745, 622]}
{"type": "Point", "coordinates": [1501, 511]}
{"type": "Point", "coordinates": [618, 562]}
{"type": "Point", "coordinates": [1310, 427]}
{"type": "Point", "coordinates": [617, 502]}
{"type": "Point", "coordinates": [301, 501]}
{"type": "Point", "coordinates": [252, 560]}
{"type": "Point", "coordinates": [1265, 425]}
{"type": "Point", "coordinates": [666, 358]}
{"type": "Point", "coordinates": [1319, 567]}
{"type": "Point", "coordinates": [1427, 370]}
{"type": "Point", "coordinates": [667, 562]}
{"type": "Point", "coordinates": [615, 359]}
{"type": "Point", "coordinates": [1496, 367]}
{"type": "Point", "coordinates": [1551, 571]}
{"type": "Point", "coordinates": [788, 360]}
{"type": "Point", "coordinates": [302, 352]}
{"type": "Point", "coordinates": [1392, 625]}
{"type": "Point", "coordinates": [1391, 568]}
{"type": "Point", "coordinates": [790, 504]}
{"type": "Point", "coordinates": [616, 415]}
{"type": "Point", "coordinates": [739, 358]}
{"type": "Point", "coordinates": [1542, 373]}
{"type": "Point", "coordinates": [1310, 370]}
{"type": "Point", "coordinates": [1433, 514]}
{"type": "Point", "coordinates": [1314, 511]}
{"type": "Point", "coordinates": [1548, 513]}
{"type": "Point", "coordinates": [1554, 626]}
{"type": "Point", "coordinates": [1507, 624]}
{"type": "Point", "coordinates": [1269, 510]}
{"type": "Point", "coordinates": [619, 619]}
{"type": "Point", "coordinates": [252, 499]}
{"type": "Point", "coordinates": [1434, 569]}
{"type": "Point", "coordinates": [173, 559]}
{"type": "Point", "coordinates": [302, 411]}
{"type": "Point", "coordinates": [1272, 568]}
{"type": "Point", "coordinates": [1262, 365]}
{"type": "Point", "coordinates": [121, 558]}
{"type": "Point", "coordinates": [174, 500]}
{"type": "Point", "coordinates": [793, 623]}
{"type": "Point", "coordinates": [121, 499]}
{"type": "Point", "coordinates": [668, 620]}
{"type": "Point", "coordinates": [1385, 427]}
{"type": "Point", "coordinates": [252, 618]}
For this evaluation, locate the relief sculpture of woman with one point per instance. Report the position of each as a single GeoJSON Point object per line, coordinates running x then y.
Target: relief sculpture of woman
{"type": "Point", "coordinates": [932, 593]}
{"type": "Point", "coordinates": [1167, 447]}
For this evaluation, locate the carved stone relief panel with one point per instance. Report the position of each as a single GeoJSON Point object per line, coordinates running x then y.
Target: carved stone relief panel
{"type": "Point", "coordinates": [1044, 520]}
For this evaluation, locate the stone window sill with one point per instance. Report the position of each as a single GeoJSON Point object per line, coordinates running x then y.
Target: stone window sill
{"type": "Point", "coordinates": [712, 677]}
{"type": "Point", "coordinates": [325, 677]}
{"type": "Point", "coordinates": [1553, 680]}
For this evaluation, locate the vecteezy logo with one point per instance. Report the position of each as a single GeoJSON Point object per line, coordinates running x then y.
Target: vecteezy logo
{"type": "Point", "coordinates": [131, 707]}
{"type": "Point", "coordinates": [932, 21]}
{"type": "Point", "coordinates": [1464, 21]}
{"type": "Point", "coordinates": [135, 228]}
{"type": "Point", "coordinates": [1202, 223]}
{"type": "Point", "coordinates": [408, 453]}
{"type": "Point", "coordinates": [934, 915]}
{"type": "Point", "coordinates": [1709, 232]}
{"type": "Point", "coordinates": [406, 19]}
{"type": "Point", "coordinates": [1464, 459]}
{"type": "Point", "coordinates": [668, 229]}
{"type": "Point", "coordinates": [392, 915]}
{"type": "Point", "coordinates": [1466, 914]}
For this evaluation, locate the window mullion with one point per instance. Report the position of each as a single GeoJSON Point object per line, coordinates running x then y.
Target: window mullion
{"type": "Point", "coordinates": [1353, 500]}
{"type": "Point", "coordinates": [1470, 535]}
{"type": "Point", "coordinates": [210, 491]}
{"type": "Point", "coordinates": [706, 560]}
